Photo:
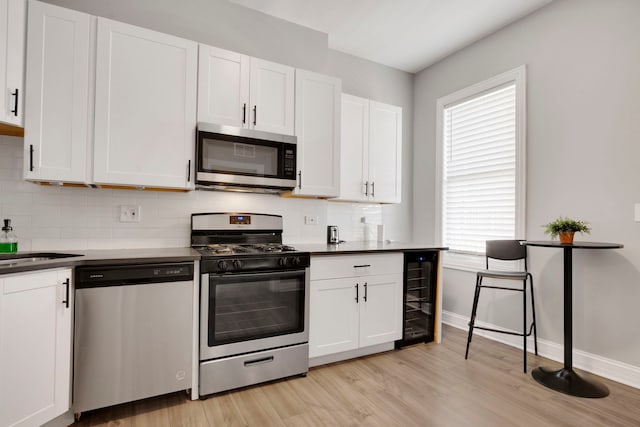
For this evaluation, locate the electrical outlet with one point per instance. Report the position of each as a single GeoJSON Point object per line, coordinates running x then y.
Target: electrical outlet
{"type": "Point", "coordinates": [129, 213]}
{"type": "Point", "coordinates": [311, 219]}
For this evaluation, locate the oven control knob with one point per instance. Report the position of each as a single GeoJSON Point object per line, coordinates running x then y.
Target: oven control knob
{"type": "Point", "coordinates": [282, 261]}
{"type": "Point", "coordinates": [296, 260]}
{"type": "Point", "coordinates": [223, 265]}
{"type": "Point", "coordinates": [237, 264]}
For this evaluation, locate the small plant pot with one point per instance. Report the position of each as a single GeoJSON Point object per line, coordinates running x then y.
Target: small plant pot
{"type": "Point", "coordinates": [566, 237]}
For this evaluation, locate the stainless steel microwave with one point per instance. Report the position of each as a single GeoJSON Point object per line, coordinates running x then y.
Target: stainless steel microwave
{"type": "Point", "coordinates": [230, 158]}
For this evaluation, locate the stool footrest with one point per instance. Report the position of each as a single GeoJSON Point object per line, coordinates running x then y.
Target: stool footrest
{"type": "Point", "coordinates": [503, 331]}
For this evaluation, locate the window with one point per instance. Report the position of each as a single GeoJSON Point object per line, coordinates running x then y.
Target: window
{"type": "Point", "coordinates": [481, 167]}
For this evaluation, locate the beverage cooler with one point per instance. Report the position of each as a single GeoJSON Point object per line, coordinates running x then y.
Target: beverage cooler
{"type": "Point", "coordinates": [419, 304]}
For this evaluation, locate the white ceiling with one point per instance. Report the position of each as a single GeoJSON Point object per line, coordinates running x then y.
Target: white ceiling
{"type": "Point", "coordinates": [405, 34]}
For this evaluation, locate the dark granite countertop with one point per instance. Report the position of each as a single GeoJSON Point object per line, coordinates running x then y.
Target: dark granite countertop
{"type": "Point", "coordinates": [151, 255]}
{"type": "Point", "coordinates": [364, 247]}
{"type": "Point", "coordinates": [104, 257]}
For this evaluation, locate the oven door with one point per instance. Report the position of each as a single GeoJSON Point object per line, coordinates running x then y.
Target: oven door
{"type": "Point", "coordinates": [243, 313]}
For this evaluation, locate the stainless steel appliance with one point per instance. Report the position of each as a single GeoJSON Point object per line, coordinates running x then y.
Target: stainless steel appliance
{"type": "Point", "coordinates": [133, 333]}
{"type": "Point", "coordinates": [229, 158]}
{"type": "Point", "coordinates": [254, 301]}
{"type": "Point", "coordinates": [333, 236]}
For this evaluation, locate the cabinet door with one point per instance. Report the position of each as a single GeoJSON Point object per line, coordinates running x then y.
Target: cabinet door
{"type": "Point", "coordinates": [272, 97]}
{"type": "Point", "coordinates": [385, 152]}
{"type": "Point", "coordinates": [318, 132]}
{"type": "Point", "coordinates": [223, 87]}
{"type": "Point", "coordinates": [333, 317]}
{"type": "Point", "coordinates": [35, 350]}
{"type": "Point", "coordinates": [380, 309]}
{"type": "Point", "coordinates": [12, 35]}
{"type": "Point", "coordinates": [57, 99]}
{"type": "Point", "coordinates": [145, 113]}
{"type": "Point", "coordinates": [354, 185]}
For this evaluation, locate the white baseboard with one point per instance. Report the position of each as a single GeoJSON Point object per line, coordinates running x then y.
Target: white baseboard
{"type": "Point", "coordinates": [598, 365]}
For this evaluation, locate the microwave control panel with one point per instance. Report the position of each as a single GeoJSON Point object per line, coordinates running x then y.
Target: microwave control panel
{"type": "Point", "coordinates": [289, 170]}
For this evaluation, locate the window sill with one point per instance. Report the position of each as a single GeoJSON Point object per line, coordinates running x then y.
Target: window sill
{"type": "Point", "coordinates": [463, 262]}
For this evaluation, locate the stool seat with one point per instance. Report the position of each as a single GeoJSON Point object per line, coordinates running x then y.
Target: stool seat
{"type": "Point", "coordinates": [497, 274]}
{"type": "Point", "coordinates": [506, 250]}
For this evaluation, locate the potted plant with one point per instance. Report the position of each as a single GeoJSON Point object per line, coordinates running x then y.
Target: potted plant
{"type": "Point", "coordinates": [565, 228]}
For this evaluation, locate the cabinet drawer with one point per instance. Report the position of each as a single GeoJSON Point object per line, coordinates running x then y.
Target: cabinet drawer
{"type": "Point", "coordinates": [336, 266]}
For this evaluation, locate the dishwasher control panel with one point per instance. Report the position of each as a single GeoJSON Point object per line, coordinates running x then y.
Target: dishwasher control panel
{"type": "Point", "coordinates": [132, 274]}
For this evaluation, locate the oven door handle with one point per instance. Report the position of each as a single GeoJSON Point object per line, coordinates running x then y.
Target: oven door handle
{"type": "Point", "coordinates": [232, 277]}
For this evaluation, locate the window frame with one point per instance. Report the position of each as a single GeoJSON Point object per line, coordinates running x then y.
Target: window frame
{"type": "Point", "coordinates": [466, 261]}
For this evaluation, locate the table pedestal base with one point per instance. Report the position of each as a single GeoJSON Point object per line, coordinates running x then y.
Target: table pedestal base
{"type": "Point", "coordinates": [569, 382]}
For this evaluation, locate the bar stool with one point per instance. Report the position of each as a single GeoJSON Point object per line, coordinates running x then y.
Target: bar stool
{"type": "Point", "coordinates": [506, 250]}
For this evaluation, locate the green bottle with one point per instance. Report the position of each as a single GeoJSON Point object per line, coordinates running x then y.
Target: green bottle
{"type": "Point", "coordinates": [8, 239]}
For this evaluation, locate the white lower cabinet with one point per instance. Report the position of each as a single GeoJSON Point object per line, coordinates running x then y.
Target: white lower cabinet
{"type": "Point", "coordinates": [355, 302]}
{"type": "Point", "coordinates": [35, 346]}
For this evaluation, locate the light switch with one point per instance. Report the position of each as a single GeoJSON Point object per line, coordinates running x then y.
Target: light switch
{"type": "Point", "coordinates": [636, 215]}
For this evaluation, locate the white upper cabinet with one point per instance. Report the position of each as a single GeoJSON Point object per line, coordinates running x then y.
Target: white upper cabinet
{"type": "Point", "coordinates": [145, 107]}
{"type": "Point", "coordinates": [354, 141]}
{"type": "Point", "coordinates": [12, 36]}
{"type": "Point", "coordinates": [272, 96]}
{"type": "Point", "coordinates": [223, 87]}
{"type": "Point", "coordinates": [57, 98]}
{"type": "Point", "coordinates": [35, 351]}
{"type": "Point", "coordinates": [371, 147]}
{"type": "Point", "coordinates": [385, 152]}
{"type": "Point", "coordinates": [237, 90]}
{"type": "Point", "coordinates": [317, 127]}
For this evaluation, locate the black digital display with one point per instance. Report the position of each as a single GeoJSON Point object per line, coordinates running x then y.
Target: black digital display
{"type": "Point", "coordinates": [240, 219]}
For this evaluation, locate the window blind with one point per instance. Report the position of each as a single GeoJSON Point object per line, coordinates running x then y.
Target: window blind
{"type": "Point", "coordinates": [479, 170]}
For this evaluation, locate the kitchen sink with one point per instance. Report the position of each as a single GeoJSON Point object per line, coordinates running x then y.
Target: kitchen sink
{"type": "Point", "coordinates": [12, 260]}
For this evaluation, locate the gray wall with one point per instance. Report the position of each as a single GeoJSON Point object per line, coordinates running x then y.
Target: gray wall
{"type": "Point", "coordinates": [583, 122]}
{"type": "Point", "coordinates": [218, 23]}
{"type": "Point", "coordinates": [230, 26]}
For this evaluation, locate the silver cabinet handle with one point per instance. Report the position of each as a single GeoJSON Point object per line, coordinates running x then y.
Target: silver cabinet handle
{"type": "Point", "coordinates": [362, 266]}
{"type": "Point", "coordinates": [366, 188]}
{"type": "Point", "coordinates": [365, 291]}
{"type": "Point", "coordinates": [300, 179]}
{"type": "Point", "coordinates": [356, 292]}
{"type": "Point", "coordinates": [373, 189]}
{"type": "Point", "coordinates": [255, 114]}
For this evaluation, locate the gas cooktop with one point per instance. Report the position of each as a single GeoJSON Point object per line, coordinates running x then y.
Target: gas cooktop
{"type": "Point", "coordinates": [244, 249]}
{"type": "Point", "coordinates": [243, 242]}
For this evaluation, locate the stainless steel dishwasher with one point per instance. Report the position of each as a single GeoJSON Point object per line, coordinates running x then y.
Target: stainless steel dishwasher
{"type": "Point", "coordinates": [133, 333]}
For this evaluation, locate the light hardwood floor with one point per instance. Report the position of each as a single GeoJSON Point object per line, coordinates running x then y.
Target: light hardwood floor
{"type": "Point", "coordinates": [420, 385]}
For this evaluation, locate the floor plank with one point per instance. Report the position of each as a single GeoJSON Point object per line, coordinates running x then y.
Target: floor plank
{"type": "Point", "coordinates": [420, 385]}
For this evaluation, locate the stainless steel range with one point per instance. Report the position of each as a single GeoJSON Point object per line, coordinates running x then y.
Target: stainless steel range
{"type": "Point", "coordinates": [254, 301]}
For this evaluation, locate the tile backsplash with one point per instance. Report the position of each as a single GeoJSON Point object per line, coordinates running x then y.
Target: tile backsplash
{"type": "Point", "coordinates": [67, 218]}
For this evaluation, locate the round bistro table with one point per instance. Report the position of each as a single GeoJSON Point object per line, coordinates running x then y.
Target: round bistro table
{"type": "Point", "coordinates": [566, 380]}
